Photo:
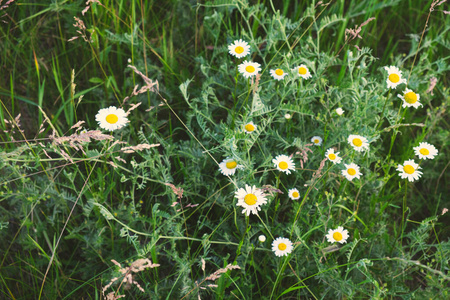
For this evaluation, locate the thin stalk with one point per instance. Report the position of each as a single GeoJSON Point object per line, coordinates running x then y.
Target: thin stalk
{"type": "Point", "coordinates": [382, 112]}
{"type": "Point", "coordinates": [301, 281]}
{"type": "Point", "coordinates": [394, 135]}
{"type": "Point", "coordinates": [403, 212]}
{"type": "Point", "coordinates": [265, 226]}
{"type": "Point", "coordinates": [249, 87]}
{"type": "Point", "coordinates": [418, 47]}
{"type": "Point", "coordinates": [278, 198]}
{"type": "Point", "coordinates": [235, 97]}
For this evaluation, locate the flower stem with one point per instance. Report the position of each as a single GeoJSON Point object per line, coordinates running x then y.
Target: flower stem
{"type": "Point", "coordinates": [235, 98]}
{"type": "Point", "coordinates": [403, 212]}
{"type": "Point", "coordinates": [382, 112]}
{"type": "Point", "coordinates": [394, 136]}
{"type": "Point", "coordinates": [277, 197]}
{"type": "Point", "coordinates": [265, 226]}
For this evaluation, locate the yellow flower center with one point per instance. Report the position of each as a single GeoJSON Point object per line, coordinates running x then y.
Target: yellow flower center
{"type": "Point", "coordinates": [231, 164]}
{"type": "Point", "coordinates": [394, 78]}
{"type": "Point", "coordinates": [295, 195]}
{"type": "Point", "coordinates": [249, 127]}
{"type": "Point", "coordinates": [112, 118]}
{"type": "Point", "coordinates": [279, 72]}
{"type": "Point", "coordinates": [411, 97]}
{"type": "Point", "coordinates": [424, 151]}
{"type": "Point", "coordinates": [316, 141]}
{"type": "Point", "coordinates": [250, 69]}
{"type": "Point", "coordinates": [250, 199]}
{"type": "Point", "coordinates": [302, 70]}
{"type": "Point", "coordinates": [332, 156]}
{"type": "Point", "coordinates": [351, 171]}
{"type": "Point", "coordinates": [282, 246]}
{"type": "Point", "coordinates": [408, 169]}
{"type": "Point", "coordinates": [283, 165]}
{"type": "Point", "coordinates": [337, 236]}
{"type": "Point", "coordinates": [357, 142]}
{"type": "Point", "coordinates": [239, 49]}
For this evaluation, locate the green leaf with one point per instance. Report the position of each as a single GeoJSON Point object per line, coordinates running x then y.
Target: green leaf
{"type": "Point", "coordinates": [96, 80]}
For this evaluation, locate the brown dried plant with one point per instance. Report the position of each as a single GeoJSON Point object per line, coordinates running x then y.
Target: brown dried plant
{"type": "Point", "coordinates": [140, 147]}
{"type": "Point", "coordinates": [5, 6]}
{"type": "Point", "coordinates": [256, 84]}
{"type": "Point", "coordinates": [150, 85]}
{"type": "Point", "coordinates": [127, 273]}
{"type": "Point", "coordinates": [14, 125]}
{"type": "Point", "coordinates": [351, 34]}
{"type": "Point", "coordinates": [76, 140]}
{"type": "Point", "coordinates": [176, 191]}
{"type": "Point", "coordinates": [319, 170]}
{"type": "Point", "coordinates": [436, 3]}
{"type": "Point", "coordinates": [212, 277]}
{"type": "Point", "coordinates": [304, 154]}
{"type": "Point", "coordinates": [88, 5]}
{"type": "Point", "coordinates": [81, 31]}
{"type": "Point", "coordinates": [132, 107]}
{"type": "Point", "coordinates": [433, 81]}
{"type": "Point", "coordinates": [270, 189]}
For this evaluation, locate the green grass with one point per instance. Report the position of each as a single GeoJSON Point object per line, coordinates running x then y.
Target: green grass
{"type": "Point", "coordinates": [66, 212]}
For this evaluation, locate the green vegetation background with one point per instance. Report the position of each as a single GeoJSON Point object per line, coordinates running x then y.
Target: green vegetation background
{"type": "Point", "coordinates": [183, 44]}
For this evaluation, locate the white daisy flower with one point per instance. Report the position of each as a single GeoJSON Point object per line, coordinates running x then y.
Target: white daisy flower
{"type": "Point", "coordinates": [425, 151]}
{"type": "Point", "coordinates": [333, 157]}
{"type": "Point", "coordinates": [410, 99]}
{"type": "Point", "coordinates": [262, 238]}
{"type": "Point", "coordinates": [250, 199]}
{"type": "Point", "coordinates": [111, 118]}
{"type": "Point", "coordinates": [229, 166]}
{"type": "Point", "coordinates": [339, 235]}
{"type": "Point", "coordinates": [302, 71]}
{"type": "Point", "coordinates": [317, 140]}
{"type": "Point", "coordinates": [278, 74]}
{"type": "Point", "coordinates": [239, 48]}
{"type": "Point", "coordinates": [351, 171]}
{"type": "Point", "coordinates": [284, 163]}
{"type": "Point", "coordinates": [394, 77]}
{"type": "Point", "coordinates": [282, 246]}
{"type": "Point", "coordinates": [294, 194]}
{"type": "Point", "coordinates": [340, 111]}
{"type": "Point", "coordinates": [249, 127]}
{"type": "Point", "coordinates": [248, 68]}
{"type": "Point", "coordinates": [409, 170]}
{"type": "Point", "coordinates": [287, 116]}
{"type": "Point", "coordinates": [359, 143]}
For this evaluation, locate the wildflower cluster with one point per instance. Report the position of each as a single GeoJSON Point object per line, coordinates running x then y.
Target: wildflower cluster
{"type": "Point", "coordinates": [285, 160]}
{"type": "Point", "coordinates": [251, 198]}
{"type": "Point", "coordinates": [240, 48]}
{"type": "Point", "coordinates": [409, 169]}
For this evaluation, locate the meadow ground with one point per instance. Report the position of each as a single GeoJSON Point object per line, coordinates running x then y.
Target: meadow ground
{"type": "Point", "coordinates": [228, 149]}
